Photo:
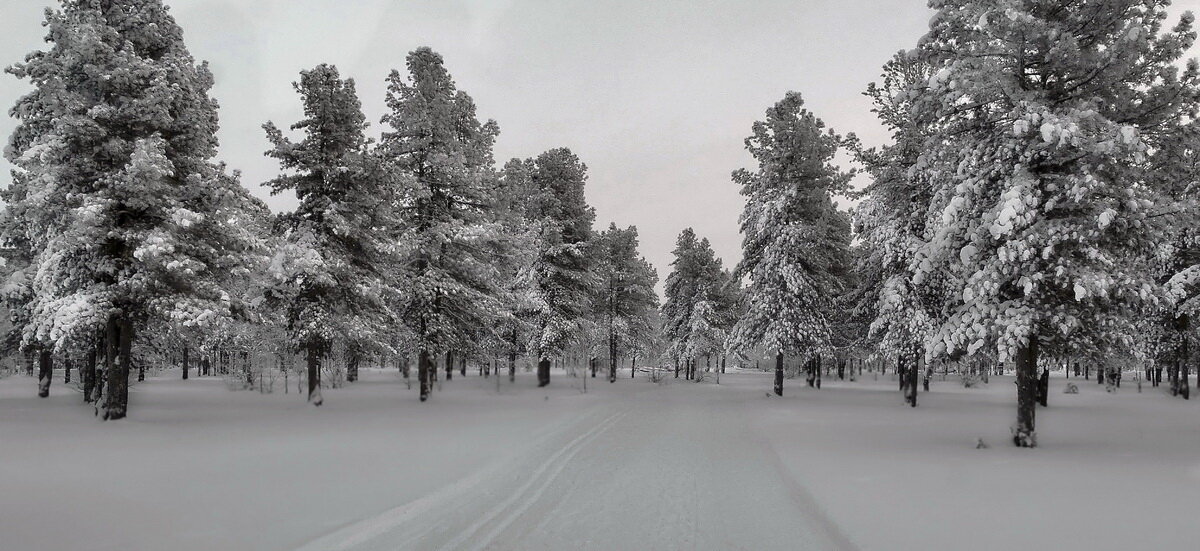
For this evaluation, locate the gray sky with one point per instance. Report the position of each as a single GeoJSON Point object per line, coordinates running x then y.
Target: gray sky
{"type": "Point", "coordinates": [655, 96]}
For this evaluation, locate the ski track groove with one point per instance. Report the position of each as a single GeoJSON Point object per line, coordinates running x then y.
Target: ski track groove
{"type": "Point", "coordinates": [362, 533]}
{"type": "Point", "coordinates": [560, 462]}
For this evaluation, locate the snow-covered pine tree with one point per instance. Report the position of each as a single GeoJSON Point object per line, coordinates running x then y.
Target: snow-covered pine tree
{"type": "Point", "coordinates": [626, 294]}
{"type": "Point", "coordinates": [560, 283]}
{"type": "Point", "coordinates": [333, 276]}
{"type": "Point", "coordinates": [795, 244]}
{"type": "Point", "coordinates": [122, 201]}
{"type": "Point", "coordinates": [697, 310]}
{"type": "Point", "coordinates": [1045, 114]}
{"type": "Point", "coordinates": [437, 141]}
{"type": "Point", "coordinates": [890, 222]}
{"type": "Point", "coordinates": [1175, 170]}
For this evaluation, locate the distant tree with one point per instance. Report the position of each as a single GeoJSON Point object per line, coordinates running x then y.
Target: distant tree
{"type": "Point", "coordinates": [795, 245]}
{"type": "Point", "coordinates": [1046, 113]}
{"type": "Point", "coordinates": [331, 275]}
{"type": "Point", "coordinates": [696, 311]}
{"type": "Point", "coordinates": [438, 144]}
{"type": "Point", "coordinates": [626, 295]}
{"type": "Point", "coordinates": [124, 213]}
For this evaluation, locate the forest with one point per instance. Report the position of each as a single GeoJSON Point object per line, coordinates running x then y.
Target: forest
{"type": "Point", "coordinates": [1034, 212]}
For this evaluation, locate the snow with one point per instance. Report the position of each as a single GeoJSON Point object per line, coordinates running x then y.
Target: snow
{"type": "Point", "coordinates": [627, 465]}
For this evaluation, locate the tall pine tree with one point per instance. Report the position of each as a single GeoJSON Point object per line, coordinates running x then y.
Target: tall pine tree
{"type": "Point", "coordinates": [1046, 114]}
{"type": "Point", "coordinates": [795, 244]}
{"type": "Point", "coordinates": [121, 202]}
{"type": "Point", "coordinates": [332, 276]}
{"type": "Point", "coordinates": [437, 142]}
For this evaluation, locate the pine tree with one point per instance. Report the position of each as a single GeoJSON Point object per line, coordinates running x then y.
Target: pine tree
{"type": "Point", "coordinates": [332, 273]}
{"type": "Point", "coordinates": [891, 220]}
{"type": "Point", "coordinates": [438, 143]}
{"type": "Point", "coordinates": [795, 242]}
{"type": "Point", "coordinates": [558, 284]}
{"type": "Point", "coordinates": [122, 204]}
{"type": "Point", "coordinates": [626, 293]}
{"type": "Point", "coordinates": [696, 312]}
{"type": "Point", "coordinates": [1046, 114]}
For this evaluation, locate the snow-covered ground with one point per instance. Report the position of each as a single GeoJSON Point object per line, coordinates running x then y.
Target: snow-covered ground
{"type": "Point", "coordinates": [632, 465]}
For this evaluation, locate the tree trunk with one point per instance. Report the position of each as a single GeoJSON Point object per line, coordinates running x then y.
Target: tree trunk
{"type": "Point", "coordinates": [676, 368]}
{"type": "Point", "coordinates": [187, 362]}
{"type": "Point", "coordinates": [612, 360]}
{"type": "Point", "coordinates": [779, 374]}
{"type": "Point", "coordinates": [116, 367]}
{"type": "Point", "coordinates": [141, 371]}
{"type": "Point", "coordinates": [818, 366]}
{"type": "Point", "coordinates": [45, 372]}
{"type": "Point", "coordinates": [1044, 388]}
{"type": "Point", "coordinates": [426, 366]}
{"type": "Point", "coordinates": [352, 362]}
{"type": "Point", "coordinates": [633, 367]}
{"type": "Point", "coordinates": [88, 375]}
{"type": "Point", "coordinates": [313, 353]}
{"type": "Point", "coordinates": [1024, 434]}
{"type": "Point", "coordinates": [543, 372]}
{"type": "Point", "coordinates": [449, 365]}
{"type": "Point", "coordinates": [67, 363]}
{"type": "Point", "coordinates": [512, 366]}
{"type": "Point", "coordinates": [462, 365]}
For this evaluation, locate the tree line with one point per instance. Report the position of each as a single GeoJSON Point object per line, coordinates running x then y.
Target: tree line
{"type": "Point", "coordinates": [123, 238]}
{"type": "Point", "coordinates": [1034, 206]}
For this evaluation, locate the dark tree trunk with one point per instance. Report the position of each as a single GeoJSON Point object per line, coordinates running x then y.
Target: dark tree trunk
{"type": "Point", "coordinates": [676, 368]}
{"type": "Point", "coordinates": [633, 367]}
{"type": "Point", "coordinates": [543, 372]}
{"type": "Point", "coordinates": [67, 363]}
{"type": "Point", "coordinates": [1044, 388]}
{"type": "Point", "coordinates": [462, 366]}
{"type": "Point", "coordinates": [910, 378]}
{"type": "Point", "coordinates": [449, 365]}
{"type": "Point", "coordinates": [186, 362]}
{"type": "Point", "coordinates": [1099, 376]}
{"type": "Point", "coordinates": [141, 371]}
{"type": "Point", "coordinates": [819, 366]}
{"type": "Point", "coordinates": [592, 366]}
{"type": "Point", "coordinates": [352, 361]}
{"type": "Point", "coordinates": [722, 364]}
{"type": "Point", "coordinates": [1024, 434]}
{"type": "Point", "coordinates": [612, 360]}
{"type": "Point", "coordinates": [779, 374]}
{"type": "Point", "coordinates": [117, 367]}
{"type": "Point", "coordinates": [426, 366]}
{"type": "Point", "coordinates": [205, 365]}
{"type": "Point", "coordinates": [88, 375]}
{"type": "Point", "coordinates": [45, 372]}
{"type": "Point", "coordinates": [313, 355]}
{"type": "Point", "coordinates": [512, 357]}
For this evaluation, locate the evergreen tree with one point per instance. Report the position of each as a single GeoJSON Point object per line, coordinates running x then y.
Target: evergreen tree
{"type": "Point", "coordinates": [559, 283]}
{"type": "Point", "coordinates": [696, 310]}
{"type": "Point", "coordinates": [122, 206]}
{"type": "Point", "coordinates": [626, 298]}
{"type": "Point", "coordinates": [1046, 115]}
{"type": "Point", "coordinates": [331, 274]}
{"type": "Point", "coordinates": [890, 222]}
{"type": "Point", "coordinates": [438, 143]}
{"type": "Point", "coordinates": [795, 242]}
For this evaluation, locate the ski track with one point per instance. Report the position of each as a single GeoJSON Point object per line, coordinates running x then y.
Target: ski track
{"type": "Point", "coordinates": [663, 468]}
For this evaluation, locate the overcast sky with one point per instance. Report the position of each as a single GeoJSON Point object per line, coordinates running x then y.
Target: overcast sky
{"type": "Point", "coordinates": [655, 96]}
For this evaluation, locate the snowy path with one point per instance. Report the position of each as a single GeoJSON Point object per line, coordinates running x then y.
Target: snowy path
{"type": "Point", "coordinates": [662, 468]}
